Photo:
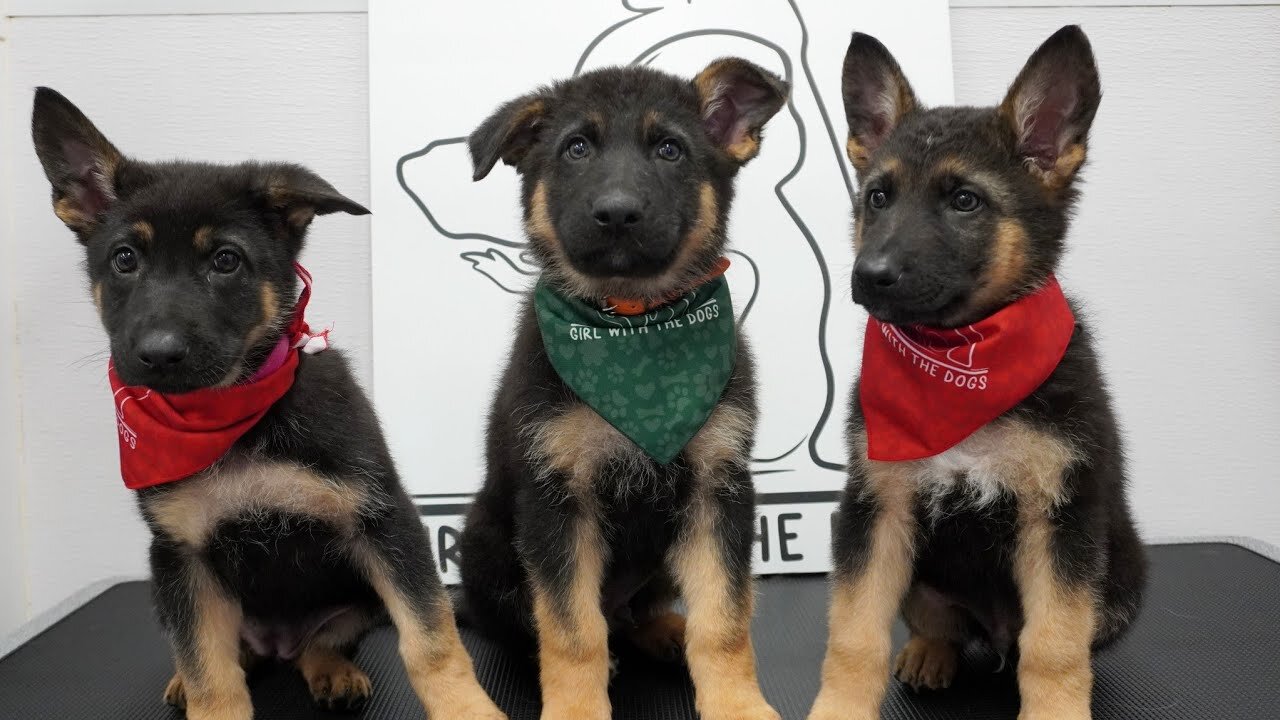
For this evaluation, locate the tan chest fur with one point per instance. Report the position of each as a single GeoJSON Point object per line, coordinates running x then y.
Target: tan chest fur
{"type": "Point", "coordinates": [190, 510]}
{"type": "Point", "coordinates": [1006, 456]}
{"type": "Point", "coordinates": [582, 445]}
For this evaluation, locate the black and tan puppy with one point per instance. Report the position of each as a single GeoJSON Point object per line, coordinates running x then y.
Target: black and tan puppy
{"type": "Point", "coordinates": [1013, 530]}
{"type": "Point", "coordinates": [297, 538]}
{"type": "Point", "coordinates": [627, 180]}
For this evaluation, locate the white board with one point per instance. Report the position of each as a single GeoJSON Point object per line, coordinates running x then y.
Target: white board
{"type": "Point", "coordinates": [448, 265]}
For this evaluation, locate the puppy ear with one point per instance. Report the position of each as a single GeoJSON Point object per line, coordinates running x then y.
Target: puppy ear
{"type": "Point", "coordinates": [292, 195]}
{"type": "Point", "coordinates": [737, 98]}
{"type": "Point", "coordinates": [876, 97]}
{"type": "Point", "coordinates": [508, 134]}
{"type": "Point", "coordinates": [78, 160]}
{"type": "Point", "coordinates": [1051, 105]}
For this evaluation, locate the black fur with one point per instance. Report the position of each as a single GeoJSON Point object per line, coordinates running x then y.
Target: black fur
{"type": "Point", "coordinates": [516, 526]}
{"type": "Point", "coordinates": [282, 568]}
{"type": "Point", "coordinates": [925, 256]}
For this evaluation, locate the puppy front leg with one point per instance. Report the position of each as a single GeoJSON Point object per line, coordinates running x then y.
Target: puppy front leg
{"type": "Point", "coordinates": [712, 565]}
{"type": "Point", "coordinates": [875, 534]}
{"type": "Point", "coordinates": [573, 636]}
{"type": "Point", "coordinates": [1055, 678]}
{"type": "Point", "coordinates": [203, 624]}
{"type": "Point", "coordinates": [396, 557]}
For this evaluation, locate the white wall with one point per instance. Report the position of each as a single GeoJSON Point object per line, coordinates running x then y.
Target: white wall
{"type": "Point", "coordinates": [13, 576]}
{"type": "Point", "coordinates": [1177, 245]}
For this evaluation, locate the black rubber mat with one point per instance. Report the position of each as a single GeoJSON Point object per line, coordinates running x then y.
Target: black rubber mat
{"type": "Point", "coordinates": [1207, 647]}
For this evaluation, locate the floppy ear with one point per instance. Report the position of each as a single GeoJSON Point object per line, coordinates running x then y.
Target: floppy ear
{"type": "Point", "coordinates": [1051, 105]}
{"type": "Point", "coordinates": [78, 160]}
{"type": "Point", "coordinates": [876, 97]}
{"type": "Point", "coordinates": [737, 98]}
{"type": "Point", "coordinates": [508, 134]}
{"type": "Point", "coordinates": [292, 195]}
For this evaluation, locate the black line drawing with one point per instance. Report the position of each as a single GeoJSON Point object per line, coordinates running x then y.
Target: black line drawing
{"type": "Point", "coordinates": [503, 261]}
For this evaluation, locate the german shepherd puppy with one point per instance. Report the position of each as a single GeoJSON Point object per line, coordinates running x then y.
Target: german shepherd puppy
{"type": "Point", "coordinates": [627, 177]}
{"type": "Point", "coordinates": [1020, 535]}
{"type": "Point", "coordinates": [300, 538]}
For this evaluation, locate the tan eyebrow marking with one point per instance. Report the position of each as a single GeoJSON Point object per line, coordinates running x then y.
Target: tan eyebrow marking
{"type": "Point", "coordinates": [144, 231]}
{"type": "Point", "coordinates": [989, 183]}
{"type": "Point", "coordinates": [203, 238]}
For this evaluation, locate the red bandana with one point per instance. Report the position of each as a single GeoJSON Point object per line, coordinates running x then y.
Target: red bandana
{"type": "Point", "coordinates": [166, 437]}
{"type": "Point", "coordinates": [925, 389]}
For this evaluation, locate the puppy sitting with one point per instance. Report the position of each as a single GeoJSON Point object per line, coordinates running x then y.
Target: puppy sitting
{"type": "Point", "coordinates": [986, 491]}
{"type": "Point", "coordinates": [279, 525]}
{"type": "Point", "coordinates": [619, 440]}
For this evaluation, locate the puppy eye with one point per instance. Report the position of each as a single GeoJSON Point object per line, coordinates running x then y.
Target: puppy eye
{"type": "Point", "coordinates": [226, 261]}
{"type": "Point", "coordinates": [124, 260]}
{"type": "Point", "coordinates": [578, 148]}
{"type": "Point", "coordinates": [965, 201]}
{"type": "Point", "coordinates": [670, 150]}
{"type": "Point", "coordinates": [877, 199]}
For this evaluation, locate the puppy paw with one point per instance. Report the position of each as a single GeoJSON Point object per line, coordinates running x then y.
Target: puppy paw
{"type": "Point", "coordinates": [927, 664]}
{"type": "Point", "coordinates": [662, 637]}
{"type": "Point", "coordinates": [335, 682]}
{"type": "Point", "coordinates": [175, 693]}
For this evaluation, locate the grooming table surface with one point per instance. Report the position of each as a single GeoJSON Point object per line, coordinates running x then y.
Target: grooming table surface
{"type": "Point", "coordinates": [1207, 646]}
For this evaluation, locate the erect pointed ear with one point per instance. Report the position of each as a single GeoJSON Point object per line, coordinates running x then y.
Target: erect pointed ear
{"type": "Point", "coordinates": [737, 98]}
{"type": "Point", "coordinates": [78, 160]}
{"type": "Point", "coordinates": [1051, 105]}
{"type": "Point", "coordinates": [292, 195]}
{"type": "Point", "coordinates": [876, 97]}
{"type": "Point", "coordinates": [507, 134]}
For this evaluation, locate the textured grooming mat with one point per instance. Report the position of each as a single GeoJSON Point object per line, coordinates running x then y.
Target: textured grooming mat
{"type": "Point", "coordinates": [1207, 647]}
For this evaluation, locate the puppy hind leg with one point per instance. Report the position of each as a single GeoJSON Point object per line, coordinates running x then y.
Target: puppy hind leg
{"type": "Point", "coordinates": [659, 630]}
{"type": "Point", "coordinates": [335, 682]}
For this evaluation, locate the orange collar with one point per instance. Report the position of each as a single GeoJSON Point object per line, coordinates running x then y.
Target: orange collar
{"type": "Point", "coordinates": [631, 307]}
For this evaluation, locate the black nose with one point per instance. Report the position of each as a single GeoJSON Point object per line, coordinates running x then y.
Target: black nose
{"type": "Point", "coordinates": [616, 210]}
{"type": "Point", "coordinates": [161, 349]}
{"type": "Point", "coordinates": [877, 271]}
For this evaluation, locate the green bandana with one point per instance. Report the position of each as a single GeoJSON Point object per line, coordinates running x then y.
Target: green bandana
{"type": "Point", "coordinates": [655, 377]}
